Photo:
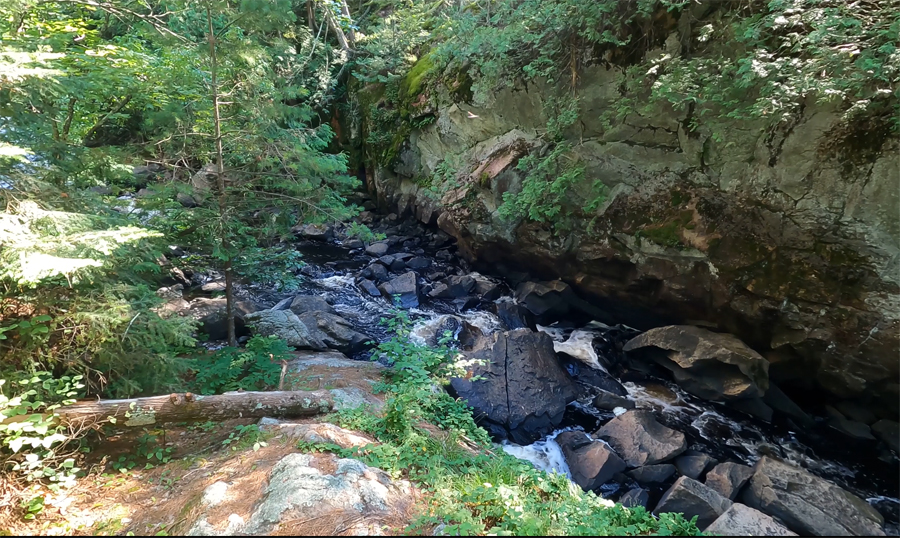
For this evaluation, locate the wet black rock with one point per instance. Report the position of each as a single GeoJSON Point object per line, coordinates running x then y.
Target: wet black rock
{"type": "Point", "coordinates": [781, 403]}
{"type": "Point", "coordinates": [513, 316]}
{"type": "Point", "coordinates": [652, 474]}
{"type": "Point", "coordinates": [889, 432]}
{"type": "Point", "coordinates": [378, 272]}
{"type": "Point", "coordinates": [453, 287]}
{"type": "Point", "coordinates": [609, 401]}
{"type": "Point", "coordinates": [545, 298]}
{"type": "Point", "coordinates": [466, 303]}
{"type": "Point", "coordinates": [354, 244]}
{"type": "Point", "coordinates": [524, 391]}
{"type": "Point", "coordinates": [398, 266]}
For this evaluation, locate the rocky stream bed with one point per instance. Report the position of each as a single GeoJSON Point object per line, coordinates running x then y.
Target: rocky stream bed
{"type": "Point", "coordinates": [676, 418]}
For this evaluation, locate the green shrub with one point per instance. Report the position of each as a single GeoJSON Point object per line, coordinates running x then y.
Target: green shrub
{"type": "Point", "coordinates": [255, 367]}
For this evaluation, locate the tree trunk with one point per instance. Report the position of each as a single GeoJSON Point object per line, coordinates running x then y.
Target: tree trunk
{"type": "Point", "coordinates": [187, 407]}
{"type": "Point", "coordinates": [220, 184]}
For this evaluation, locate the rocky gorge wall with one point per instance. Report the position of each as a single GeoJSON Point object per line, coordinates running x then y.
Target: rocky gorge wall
{"type": "Point", "coordinates": [785, 236]}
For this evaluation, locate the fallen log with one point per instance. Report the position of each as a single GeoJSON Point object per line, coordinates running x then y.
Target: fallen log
{"type": "Point", "coordinates": [188, 407]}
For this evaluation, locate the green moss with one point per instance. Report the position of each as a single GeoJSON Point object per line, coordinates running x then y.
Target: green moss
{"type": "Point", "coordinates": [666, 235]}
{"type": "Point", "coordinates": [677, 198]}
{"type": "Point", "coordinates": [415, 79]}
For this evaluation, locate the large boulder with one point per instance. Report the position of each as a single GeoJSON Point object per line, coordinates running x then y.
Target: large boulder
{"type": "Point", "coordinates": [728, 478]}
{"type": "Point", "coordinates": [807, 504]}
{"type": "Point", "coordinates": [302, 304]}
{"type": "Point", "coordinates": [343, 496]}
{"type": "Point", "coordinates": [545, 298]}
{"type": "Point", "coordinates": [286, 325]}
{"type": "Point", "coordinates": [741, 520]}
{"type": "Point", "coordinates": [693, 464]}
{"type": "Point", "coordinates": [692, 498]}
{"type": "Point", "coordinates": [711, 365]}
{"type": "Point", "coordinates": [523, 391]}
{"type": "Point", "coordinates": [314, 232]}
{"type": "Point", "coordinates": [405, 287]}
{"type": "Point", "coordinates": [377, 249]}
{"type": "Point", "coordinates": [640, 440]}
{"type": "Point", "coordinates": [334, 331]}
{"type": "Point", "coordinates": [591, 462]}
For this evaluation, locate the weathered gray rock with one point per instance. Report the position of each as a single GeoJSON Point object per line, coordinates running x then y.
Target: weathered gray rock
{"type": "Point", "coordinates": [524, 391]}
{"type": "Point", "coordinates": [283, 324]}
{"type": "Point", "coordinates": [741, 520]}
{"type": "Point", "coordinates": [692, 498]}
{"type": "Point", "coordinates": [334, 331]}
{"type": "Point", "coordinates": [807, 504]}
{"type": "Point", "coordinates": [315, 232]}
{"type": "Point", "coordinates": [635, 497]}
{"type": "Point", "coordinates": [591, 462]}
{"type": "Point", "coordinates": [302, 304]}
{"type": "Point", "coordinates": [609, 401]}
{"type": "Point", "coordinates": [377, 249]}
{"type": "Point", "coordinates": [369, 287]}
{"type": "Point", "coordinates": [728, 478]}
{"type": "Point", "coordinates": [298, 490]}
{"type": "Point", "coordinates": [693, 464]}
{"type": "Point", "coordinates": [711, 365]}
{"type": "Point", "coordinates": [186, 200]}
{"type": "Point", "coordinates": [652, 474]}
{"type": "Point", "coordinates": [640, 440]}
{"type": "Point", "coordinates": [404, 286]}
{"type": "Point", "coordinates": [889, 432]}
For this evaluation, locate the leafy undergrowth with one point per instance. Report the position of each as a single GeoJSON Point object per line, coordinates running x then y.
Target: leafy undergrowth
{"type": "Point", "coordinates": [429, 437]}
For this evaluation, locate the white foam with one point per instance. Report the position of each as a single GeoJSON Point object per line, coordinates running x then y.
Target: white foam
{"type": "Point", "coordinates": [580, 346]}
{"type": "Point", "coordinates": [336, 282]}
{"type": "Point", "coordinates": [486, 322]}
{"type": "Point", "coordinates": [545, 454]}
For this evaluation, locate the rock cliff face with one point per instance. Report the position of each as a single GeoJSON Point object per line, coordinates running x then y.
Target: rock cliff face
{"type": "Point", "coordinates": [785, 236]}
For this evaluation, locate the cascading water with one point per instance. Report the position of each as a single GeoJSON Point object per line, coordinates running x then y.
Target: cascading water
{"type": "Point", "coordinates": [713, 428]}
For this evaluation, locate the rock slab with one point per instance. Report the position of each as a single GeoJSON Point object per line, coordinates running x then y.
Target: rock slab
{"type": "Point", "coordinates": [728, 478]}
{"type": "Point", "coordinates": [807, 504]}
{"type": "Point", "coordinates": [523, 392]}
{"type": "Point", "coordinates": [692, 498]}
{"type": "Point", "coordinates": [741, 520]}
{"type": "Point", "coordinates": [640, 440]}
{"type": "Point", "coordinates": [714, 366]}
{"type": "Point", "coordinates": [591, 462]}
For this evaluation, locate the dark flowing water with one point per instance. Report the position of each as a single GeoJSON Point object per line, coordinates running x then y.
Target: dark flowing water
{"type": "Point", "coordinates": [719, 431]}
